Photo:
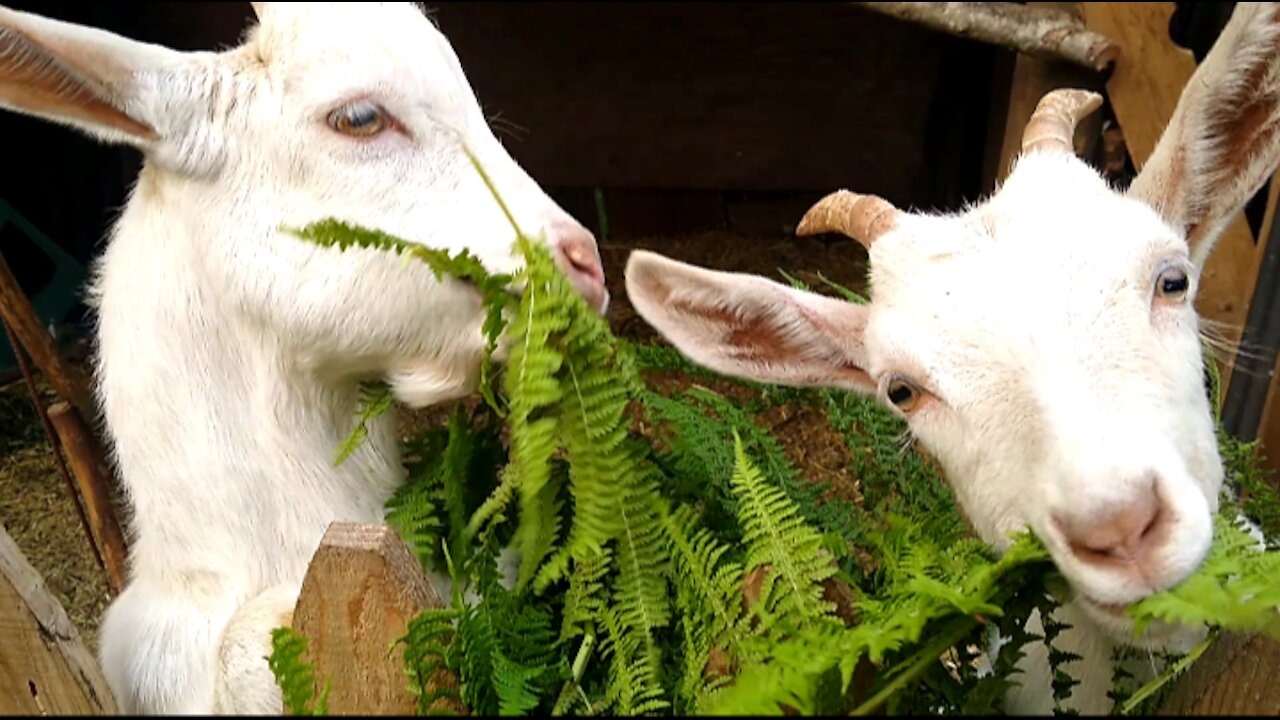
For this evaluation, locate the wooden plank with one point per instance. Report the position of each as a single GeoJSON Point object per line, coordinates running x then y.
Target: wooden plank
{"type": "Point", "coordinates": [44, 668]}
{"type": "Point", "coordinates": [1144, 90]}
{"type": "Point", "coordinates": [1236, 676]}
{"type": "Point", "coordinates": [1267, 430]}
{"type": "Point", "coordinates": [93, 480]}
{"type": "Point", "coordinates": [361, 589]}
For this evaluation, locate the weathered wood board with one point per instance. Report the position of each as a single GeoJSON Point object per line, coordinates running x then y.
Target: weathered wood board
{"type": "Point", "coordinates": [1144, 90]}
{"type": "Point", "coordinates": [44, 668]}
{"type": "Point", "coordinates": [360, 592]}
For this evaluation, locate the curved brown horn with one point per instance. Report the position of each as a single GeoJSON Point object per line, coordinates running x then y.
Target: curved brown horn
{"type": "Point", "coordinates": [861, 217]}
{"type": "Point", "coordinates": [1053, 125]}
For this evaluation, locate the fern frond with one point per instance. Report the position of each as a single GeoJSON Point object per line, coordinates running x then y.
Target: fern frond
{"type": "Point", "coordinates": [375, 400]}
{"type": "Point", "coordinates": [702, 575]}
{"type": "Point", "coordinates": [777, 536]}
{"type": "Point", "coordinates": [585, 598]}
{"type": "Point", "coordinates": [634, 687]}
{"type": "Point", "coordinates": [296, 678]}
{"type": "Point", "coordinates": [1237, 587]}
{"type": "Point", "coordinates": [464, 266]}
{"type": "Point", "coordinates": [641, 587]}
{"type": "Point", "coordinates": [429, 650]}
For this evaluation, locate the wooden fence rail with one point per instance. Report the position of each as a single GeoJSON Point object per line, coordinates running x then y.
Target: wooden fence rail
{"type": "Point", "coordinates": [361, 590]}
{"type": "Point", "coordinates": [44, 668]}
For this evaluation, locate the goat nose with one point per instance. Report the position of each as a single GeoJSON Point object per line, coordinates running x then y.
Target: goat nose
{"type": "Point", "coordinates": [578, 257]}
{"type": "Point", "coordinates": [1123, 537]}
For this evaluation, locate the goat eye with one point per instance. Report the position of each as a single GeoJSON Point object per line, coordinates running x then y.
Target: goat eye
{"type": "Point", "coordinates": [903, 394]}
{"type": "Point", "coordinates": [360, 119]}
{"type": "Point", "coordinates": [1172, 285]}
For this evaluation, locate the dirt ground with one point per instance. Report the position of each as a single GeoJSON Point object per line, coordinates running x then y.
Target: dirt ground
{"type": "Point", "coordinates": [37, 509]}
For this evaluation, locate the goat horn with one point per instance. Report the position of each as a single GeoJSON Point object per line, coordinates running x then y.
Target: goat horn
{"type": "Point", "coordinates": [1053, 125]}
{"type": "Point", "coordinates": [861, 217]}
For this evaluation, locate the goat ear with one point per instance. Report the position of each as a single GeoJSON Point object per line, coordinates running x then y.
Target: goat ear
{"type": "Point", "coordinates": [1223, 141]}
{"type": "Point", "coordinates": [748, 327]}
{"type": "Point", "coordinates": [105, 85]}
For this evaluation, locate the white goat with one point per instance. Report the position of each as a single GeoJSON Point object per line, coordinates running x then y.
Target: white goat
{"type": "Point", "coordinates": [229, 354]}
{"type": "Point", "coordinates": [1042, 345]}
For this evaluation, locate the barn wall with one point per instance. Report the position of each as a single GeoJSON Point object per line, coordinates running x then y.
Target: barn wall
{"type": "Point", "coordinates": [686, 114]}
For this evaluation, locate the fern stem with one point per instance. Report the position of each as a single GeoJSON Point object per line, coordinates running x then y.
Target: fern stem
{"type": "Point", "coordinates": [584, 654]}
{"type": "Point", "coordinates": [496, 501]}
{"type": "Point", "coordinates": [575, 682]}
{"type": "Point", "coordinates": [488, 183]}
{"type": "Point", "coordinates": [1176, 669]}
{"type": "Point", "coordinates": [917, 665]}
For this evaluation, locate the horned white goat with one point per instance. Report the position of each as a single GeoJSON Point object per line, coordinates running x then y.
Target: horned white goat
{"type": "Point", "coordinates": [229, 354]}
{"type": "Point", "coordinates": [1042, 345]}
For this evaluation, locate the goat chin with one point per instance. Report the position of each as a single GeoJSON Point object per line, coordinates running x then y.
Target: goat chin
{"type": "Point", "coordinates": [1094, 634]}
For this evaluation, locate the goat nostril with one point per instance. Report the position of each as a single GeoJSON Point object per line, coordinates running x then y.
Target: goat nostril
{"type": "Point", "coordinates": [1127, 534]}
{"type": "Point", "coordinates": [580, 261]}
{"type": "Point", "coordinates": [1151, 526]}
{"type": "Point", "coordinates": [576, 247]}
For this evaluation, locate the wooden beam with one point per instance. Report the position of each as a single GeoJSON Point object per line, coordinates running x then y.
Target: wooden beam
{"type": "Point", "coordinates": [1041, 32]}
{"type": "Point", "coordinates": [1267, 431]}
{"type": "Point", "coordinates": [70, 384]}
{"type": "Point", "coordinates": [44, 667]}
{"type": "Point", "coordinates": [1144, 90]}
{"type": "Point", "coordinates": [361, 589]}
{"type": "Point", "coordinates": [93, 480]}
{"type": "Point", "coordinates": [55, 445]}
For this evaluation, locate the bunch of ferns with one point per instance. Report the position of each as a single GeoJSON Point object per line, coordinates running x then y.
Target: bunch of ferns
{"type": "Point", "coordinates": [693, 575]}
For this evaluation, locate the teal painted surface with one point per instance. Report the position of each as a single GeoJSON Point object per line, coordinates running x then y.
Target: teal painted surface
{"type": "Point", "coordinates": [57, 298]}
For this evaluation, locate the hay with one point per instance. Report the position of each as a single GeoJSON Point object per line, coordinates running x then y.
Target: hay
{"type": "Point", "coordinates": [37, 510]}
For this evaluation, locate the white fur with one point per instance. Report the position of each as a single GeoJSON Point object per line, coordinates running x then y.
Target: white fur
{"type": "Point", "coordinates": [229, 353]}
{"type": "Point", "coordinates": [1057, 385]}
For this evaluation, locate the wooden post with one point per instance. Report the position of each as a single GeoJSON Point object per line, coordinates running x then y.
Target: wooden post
{"type": "Point", "coordinates": [1236, 676]}
{"type": "Point", "coordinates": [44, 668]}
{"type": "Point", "coordinates": [51, 434]}
{"type": "Point", "coordinates": [81, 446]}
{"type": "Point", "coordinates": [361, 590]}
{"type": "Point", "coordinates": [16, 309]}
{"type": "Point", "coordinates": [91, 474]}
{"type": "Point", "coordinates": [1144, 90]}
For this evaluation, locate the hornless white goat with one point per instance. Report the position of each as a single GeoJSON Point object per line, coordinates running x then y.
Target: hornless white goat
{"type": "Point", "coordinates": [229, 354]}
{"type": "Point", "coordinates": [1042, 345]}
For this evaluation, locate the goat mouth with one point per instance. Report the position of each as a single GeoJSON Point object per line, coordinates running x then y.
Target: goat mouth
{"type": "Point", "coordinates": [1116, 610]}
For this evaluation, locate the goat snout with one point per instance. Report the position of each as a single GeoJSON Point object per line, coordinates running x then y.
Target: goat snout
{"type": "Point", "coordinates": [578, 257]}
{"type": "Point", "coordinates": [1125, 536]}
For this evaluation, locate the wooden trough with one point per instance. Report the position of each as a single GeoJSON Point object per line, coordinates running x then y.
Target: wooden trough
{"type": "Point", "coordinates": [362, 588]}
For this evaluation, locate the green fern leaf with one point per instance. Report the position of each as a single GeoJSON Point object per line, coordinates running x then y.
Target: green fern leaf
{"type": "Point", "coordinates": [296, 678]}
{"type": "Point", "coordinates": [375, 400]}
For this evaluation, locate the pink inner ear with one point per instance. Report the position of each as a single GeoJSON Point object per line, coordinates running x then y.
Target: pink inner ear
{"type": "Point", "coordinates": [1242, 118]}
{"type": "Point", "coordinates": [36, 81]}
